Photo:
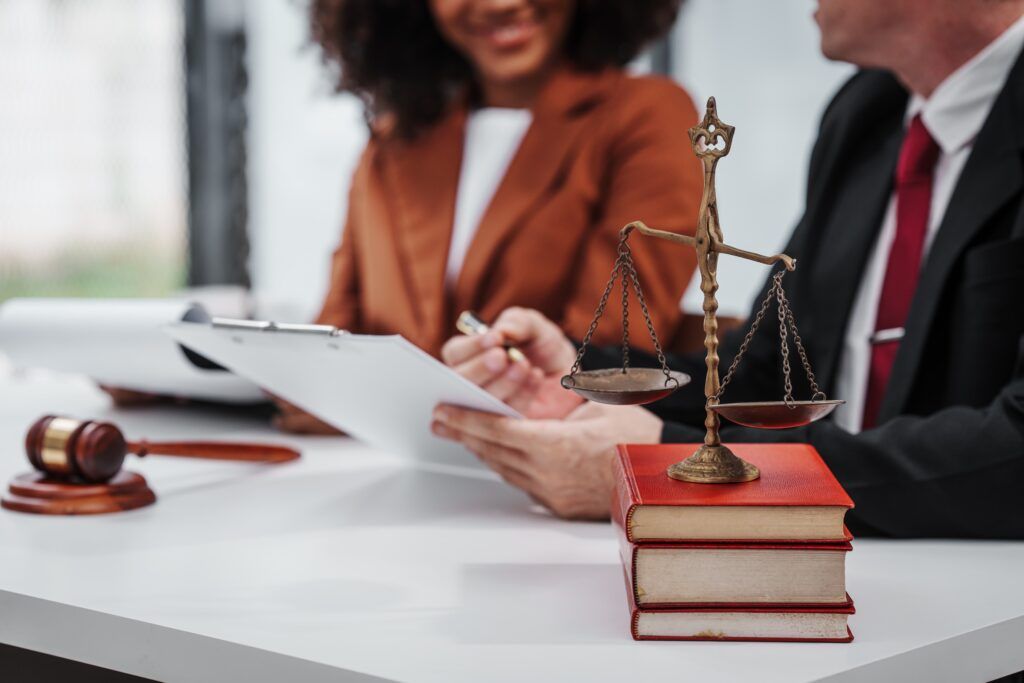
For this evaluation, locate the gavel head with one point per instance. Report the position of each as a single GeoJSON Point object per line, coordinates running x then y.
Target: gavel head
{"type": "Point", "coordinates": [65, 448]}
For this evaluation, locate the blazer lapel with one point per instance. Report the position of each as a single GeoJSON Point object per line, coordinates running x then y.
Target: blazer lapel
{"type": "Point", "coordinates": [991, 176]}
{"type": "Point", "coordinates": [422, 176]}
{"type": "Point", "coordinates": [538, 164]}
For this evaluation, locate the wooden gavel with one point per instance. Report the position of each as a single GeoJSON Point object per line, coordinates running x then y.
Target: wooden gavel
{"type": "Point", "coordinates": [91, 451]}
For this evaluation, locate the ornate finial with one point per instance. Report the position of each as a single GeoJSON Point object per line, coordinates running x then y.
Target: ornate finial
{"type": "Point", "coordinates": [705, 135]}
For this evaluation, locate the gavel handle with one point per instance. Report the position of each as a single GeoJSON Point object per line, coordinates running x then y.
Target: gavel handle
{"type": "Point", "coordinates": [215, 450]}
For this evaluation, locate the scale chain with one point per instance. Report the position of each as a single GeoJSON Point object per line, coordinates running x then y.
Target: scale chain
{"type": "Point", "coordinates": [624, 266]}
{"type": "Point", "coordinates": [597, 316]}
{"type": "Point", "coordinates": [815, 389]}
{"type": "Point", "coordinates": [786, 321]}
{"type": "Point", "coordinates": [650, 324]}
{"type": "Point", "coordinates": [750, 335]}
{"type": "Point", "coordinates": [627, 267]}
{"type": "Point", "coordinates": [784, 344]}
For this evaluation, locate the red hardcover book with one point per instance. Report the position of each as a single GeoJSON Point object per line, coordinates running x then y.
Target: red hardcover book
{"type": "Point", "coordinates": [704, 574]}
{"type": "Point", "coordinates": [792, 623]}
{"type": "Point", "coordinates": [796, 500]}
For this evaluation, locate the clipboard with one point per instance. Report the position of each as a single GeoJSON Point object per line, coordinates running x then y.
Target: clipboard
{"type": "Point", "coordinates": [381, 389]}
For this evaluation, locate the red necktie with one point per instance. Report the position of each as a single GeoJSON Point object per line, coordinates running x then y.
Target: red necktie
{"type": "Point", "coordinates": [914, 174]}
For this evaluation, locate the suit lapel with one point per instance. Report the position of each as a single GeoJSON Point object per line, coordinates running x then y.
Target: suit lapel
{"type": "Point", "coordinates": [991, 176]}
{"type": "Point", "coordinates": [422, 177]}
{"type": "Point", "coordinates": [538, 164]}
{"type": "Point", "coordinates": [847, 245]}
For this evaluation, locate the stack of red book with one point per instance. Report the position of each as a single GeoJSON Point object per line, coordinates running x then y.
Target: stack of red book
{"type": "Point", "coordinates": [762, 560]}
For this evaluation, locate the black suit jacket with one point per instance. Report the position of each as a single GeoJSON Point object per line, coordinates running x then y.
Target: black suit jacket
{"type": "Point", "coordinates": [947, 458]}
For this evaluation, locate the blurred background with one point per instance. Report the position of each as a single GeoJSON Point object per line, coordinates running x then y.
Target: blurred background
{"type": "Point", "coordinates": [148, 146]}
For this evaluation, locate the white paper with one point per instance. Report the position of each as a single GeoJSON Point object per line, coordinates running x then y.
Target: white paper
{"type": "Point", "coordinates": [380, 389]}
{"type": "Point", "coordinates": [117, 342]}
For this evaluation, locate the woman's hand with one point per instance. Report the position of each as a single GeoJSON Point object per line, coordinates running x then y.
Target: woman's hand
{"type": "Point", "coordinates": [563, 464]}
{"type": "Point", "coordinates": [532, 386]}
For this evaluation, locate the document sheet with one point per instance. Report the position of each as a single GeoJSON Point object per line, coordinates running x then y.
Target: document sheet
{"type": "Point", "coordinates": [379, 389]}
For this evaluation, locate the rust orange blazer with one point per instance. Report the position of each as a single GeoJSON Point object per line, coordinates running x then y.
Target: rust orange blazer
{"type": "Point", "coordinates": [602, 150]}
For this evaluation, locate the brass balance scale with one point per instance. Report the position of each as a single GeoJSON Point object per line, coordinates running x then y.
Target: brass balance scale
{"type": "Point", "coordinates": [712, 463]}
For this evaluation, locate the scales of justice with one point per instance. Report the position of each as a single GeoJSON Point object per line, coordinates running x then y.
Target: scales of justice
{"type": "Point", "coordinates": [712, 463]}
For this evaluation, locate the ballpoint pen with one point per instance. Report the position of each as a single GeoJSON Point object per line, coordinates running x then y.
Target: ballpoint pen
{"type": "Point", "coordinates": [469, 324]}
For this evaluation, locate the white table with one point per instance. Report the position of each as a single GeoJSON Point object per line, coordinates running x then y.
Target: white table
{"type": "Point", "coordinates": [352, 564]}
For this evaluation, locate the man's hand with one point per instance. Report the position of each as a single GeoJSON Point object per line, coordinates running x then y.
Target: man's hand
{"type": "Point", "coordinates": [531, 387]}
{"type": "Point", "coordinates": [563, 464]}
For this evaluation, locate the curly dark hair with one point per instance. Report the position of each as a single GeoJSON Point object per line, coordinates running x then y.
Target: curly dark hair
{"type": "Point", "coordinates": [391, 54]}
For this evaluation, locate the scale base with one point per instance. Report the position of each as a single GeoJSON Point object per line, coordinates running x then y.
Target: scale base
{"type": "Point", "coordinates": [714, 465]}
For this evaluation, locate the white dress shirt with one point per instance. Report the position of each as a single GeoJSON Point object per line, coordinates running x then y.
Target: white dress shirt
{"type": "Point", "coordinates": [954, 115]}
{"type": "Point", "coordinates": [492, 137]}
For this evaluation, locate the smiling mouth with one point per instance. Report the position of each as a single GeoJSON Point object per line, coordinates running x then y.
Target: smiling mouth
{"type": "Point", "coordinates": [510, 36]}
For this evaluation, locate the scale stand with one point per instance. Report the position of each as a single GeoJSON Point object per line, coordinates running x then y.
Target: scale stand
{"type": "Point", "coordinates": [712, 463]}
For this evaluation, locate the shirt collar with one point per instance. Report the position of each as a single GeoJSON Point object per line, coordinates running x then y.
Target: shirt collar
{"type": "Point", "coordinates": [957, 109]}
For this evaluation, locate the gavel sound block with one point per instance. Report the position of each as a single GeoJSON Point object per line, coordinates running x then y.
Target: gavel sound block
{"type": "Point", "coordinates": [79, 463]}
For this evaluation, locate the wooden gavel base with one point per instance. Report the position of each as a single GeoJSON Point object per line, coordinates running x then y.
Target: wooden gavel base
{"type": "Point", "coordinates": [34, 492]}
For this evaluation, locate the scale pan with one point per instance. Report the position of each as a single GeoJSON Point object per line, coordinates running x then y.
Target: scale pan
{"type": "Point", "coordinates": [776, 414]}
{"type": "Point", "coordinates": [618, 387]}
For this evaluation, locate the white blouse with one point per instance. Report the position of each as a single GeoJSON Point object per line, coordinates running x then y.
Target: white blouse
{"type": "Point", "coordinates": [492, 137]}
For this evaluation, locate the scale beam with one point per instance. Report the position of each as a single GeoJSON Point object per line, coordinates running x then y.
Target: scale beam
{"type": "Point", "coordinates": [642, 228]}
{"type": "Point", "coordinates": [788, 261]}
